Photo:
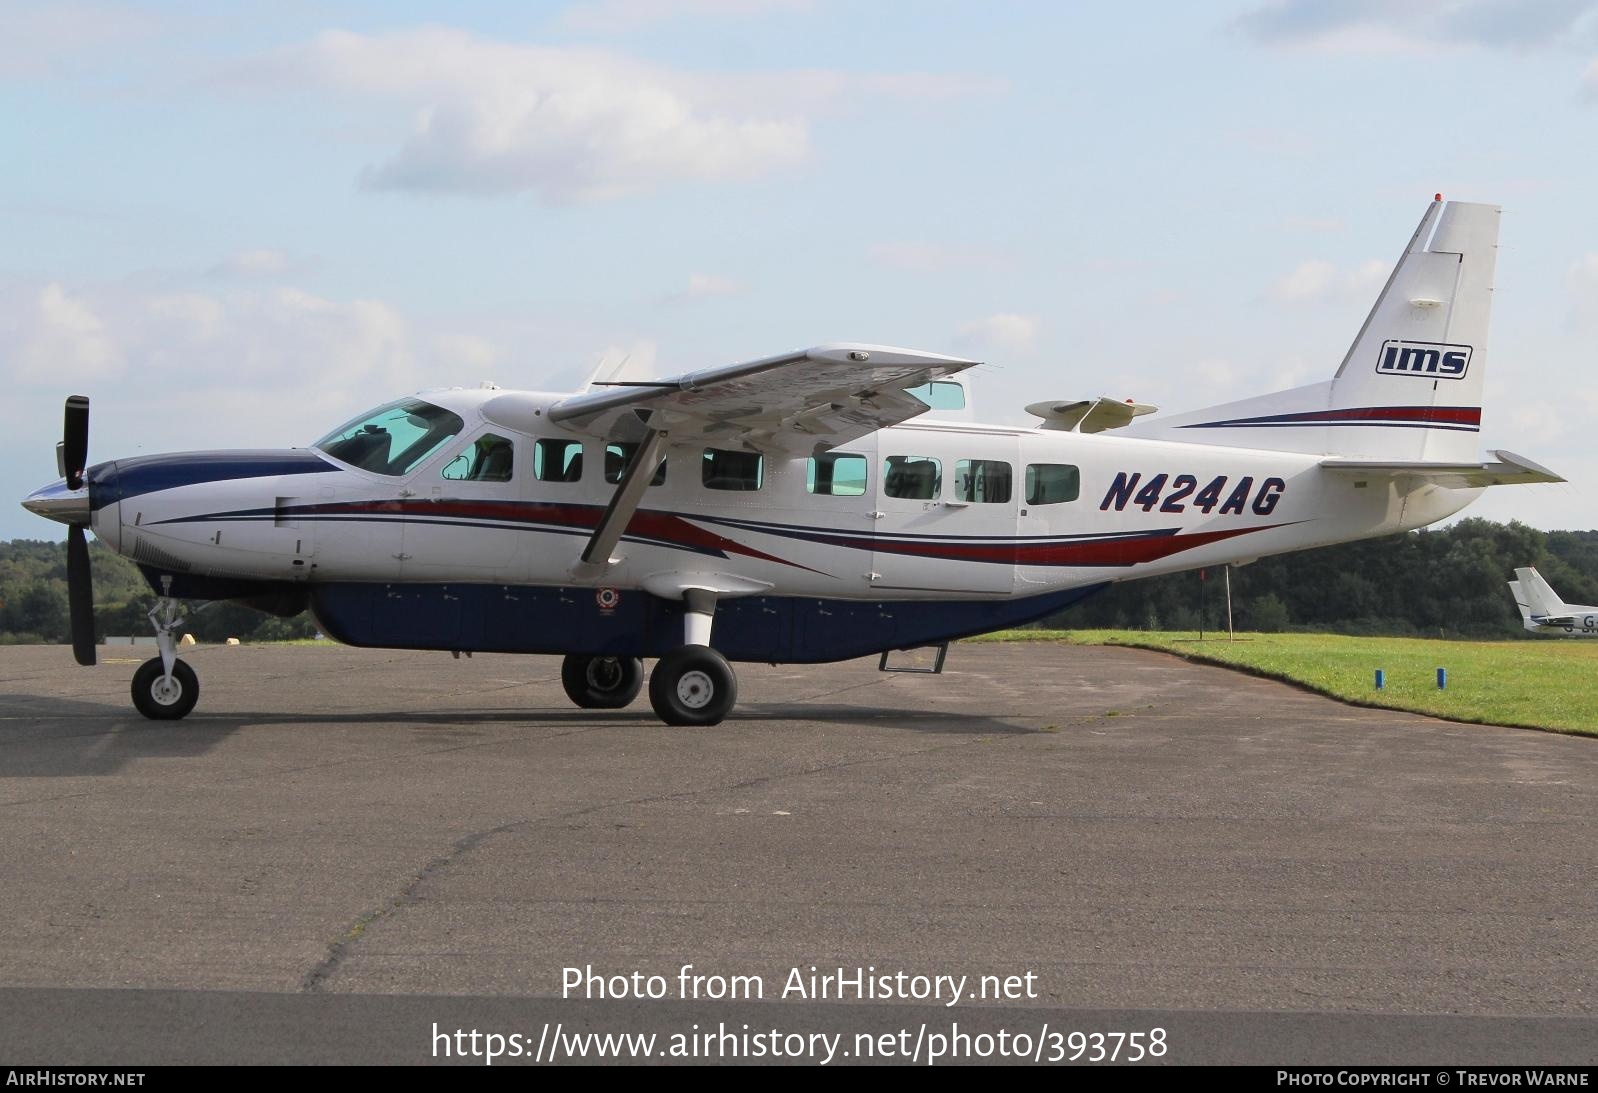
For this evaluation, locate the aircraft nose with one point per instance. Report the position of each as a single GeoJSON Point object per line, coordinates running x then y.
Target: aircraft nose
{"type": "Point", "coordinates": [59, 503]}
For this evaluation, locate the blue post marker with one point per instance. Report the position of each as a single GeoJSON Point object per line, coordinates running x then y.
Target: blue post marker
{"type": "Point", "coordinates": [1381, 679]}
{"type": "Point", "coordinates": [1442, 679]}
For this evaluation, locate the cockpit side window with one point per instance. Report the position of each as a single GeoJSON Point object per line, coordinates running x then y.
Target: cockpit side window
{"type": "Point", "coordinates": [489, 458]}
{"type": "Point", "coordinates": [394, 438]}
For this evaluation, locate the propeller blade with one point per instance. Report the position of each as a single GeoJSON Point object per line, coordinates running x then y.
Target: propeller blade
{"type": "Point", "coordinates": [80, 595]}
{"type": "Point", "coordinates": [75, 442]}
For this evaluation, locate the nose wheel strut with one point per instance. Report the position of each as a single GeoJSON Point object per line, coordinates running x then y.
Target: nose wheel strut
{"type": "Point", "coordinates": [165, 688]}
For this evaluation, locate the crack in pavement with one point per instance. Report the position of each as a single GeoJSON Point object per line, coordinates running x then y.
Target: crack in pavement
{"type": "Point", "coordinates": [315, 981]}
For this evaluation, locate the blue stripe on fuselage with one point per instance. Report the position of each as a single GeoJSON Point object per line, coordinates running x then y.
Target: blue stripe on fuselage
{"type": "Point", "coordinates": [123, 479]}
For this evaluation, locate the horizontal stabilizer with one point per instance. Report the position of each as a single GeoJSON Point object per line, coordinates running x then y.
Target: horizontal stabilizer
{"type": "Point", "coordinates": [1092, 415]}
{"type": "Point", "coordinates": [1507, 468]}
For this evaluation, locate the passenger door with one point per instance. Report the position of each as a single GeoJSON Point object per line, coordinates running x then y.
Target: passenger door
{"type": "Point", "coordinates": [946, 518]}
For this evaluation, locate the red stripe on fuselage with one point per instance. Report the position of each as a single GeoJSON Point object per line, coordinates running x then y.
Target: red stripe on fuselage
{"type": "Point", "coordinates": [650, 525]}
{"type": "Point", "coordinates": [1112, 550]}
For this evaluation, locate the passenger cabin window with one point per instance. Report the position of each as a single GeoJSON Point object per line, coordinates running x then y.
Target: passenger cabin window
{"type": "Point", "coordinates": [722, 469]}
{"type": "Point", "coordinates": [914, 477]}
{"type": "Point", "coordinates": [836, 475]}
{"type": "Point", "coordinates": [393, 439]}
{"type": "Point", "coordinates": [940, 395]}
{"type": "Point", "coordinates": [618, 457]}
{"type": "Point", "coordinates": [489, 459]}
{"type": "Point", "coordinates": [558, 461]}
{"type": "Point", "coordinates": [1052, 483]}
{"type": "Point", "coordinates": [982, 481]}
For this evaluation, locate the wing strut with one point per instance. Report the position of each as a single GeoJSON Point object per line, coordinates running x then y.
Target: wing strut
{"type": "Point", "coordinates": [624, 502]}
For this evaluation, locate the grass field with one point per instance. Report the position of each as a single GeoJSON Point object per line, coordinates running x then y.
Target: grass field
{"type": "Point", "coordinates": [1546, 684]}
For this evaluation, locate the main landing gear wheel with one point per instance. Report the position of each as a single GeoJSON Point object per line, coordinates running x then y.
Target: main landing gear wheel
{"type": "Point", "coordinates": [602, 683]}
{"type": "Point", "coordinates": [161, 699]}
{"type": "Point", "coordinates": [693, 685]}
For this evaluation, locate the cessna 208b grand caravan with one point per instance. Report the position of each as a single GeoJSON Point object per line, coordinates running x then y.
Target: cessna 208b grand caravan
{"type": "Point", "coordinates": [798, 508]}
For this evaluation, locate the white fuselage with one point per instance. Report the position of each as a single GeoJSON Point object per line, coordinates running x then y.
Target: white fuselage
{"type": "Point", "coordinates": [1143, 507]}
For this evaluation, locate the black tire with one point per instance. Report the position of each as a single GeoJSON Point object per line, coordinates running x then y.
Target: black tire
{"type": "Point", "coordinates": [602, 683]}
{"type": "Point", "coordinates": [693, 685]}
{"type": "Point", "coordinates": [158, 702]}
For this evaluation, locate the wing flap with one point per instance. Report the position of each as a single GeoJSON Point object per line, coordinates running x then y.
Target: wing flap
{"type": "Point", "coordinates": [1507, 468]}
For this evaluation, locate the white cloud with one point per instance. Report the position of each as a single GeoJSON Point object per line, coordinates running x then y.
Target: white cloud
{"type": "Point", "coordinates": [261, 262]}
{"type": "Point", "coordinates": [41, 37]}
{"type": "Point", "coordinates": [612, 16]}
{"type": "Point", "coordinates": [570, 124]}
{"type": "Point", "coordinates": [468, 349]}
{"type": "Point", "coordinates": [565, 124]}
{"type": "Point", "coordinates": [1006, 330]}
{"type": "Point", "coordinates": [57, 335]}
{"type": "Point", "coordinates": [1316, 280]}
{"type": "Point", "coordinates": [259, 341]}
{"type": "Point", "coordinates": [1309, 281]}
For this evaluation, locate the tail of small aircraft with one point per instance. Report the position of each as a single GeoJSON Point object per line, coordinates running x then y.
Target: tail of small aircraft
{"type": "Point", "coordinates": [1541, 600]}
{"type": "Point", "coordinates": [1519, 593]}
{"type": "Point", "coordinates": [1410, 386]}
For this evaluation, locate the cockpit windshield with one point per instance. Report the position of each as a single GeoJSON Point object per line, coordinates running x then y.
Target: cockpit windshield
{"type": "Point", "coordinates": [394, 438]}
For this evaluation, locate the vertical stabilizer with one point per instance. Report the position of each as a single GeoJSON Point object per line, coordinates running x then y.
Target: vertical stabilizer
{"type": "Point", "coordinates": [1409, 388]}
{"type": "Point", "coordinates": [1540, 598]}
{"type": "Point", "coordinates": [1418, 362]}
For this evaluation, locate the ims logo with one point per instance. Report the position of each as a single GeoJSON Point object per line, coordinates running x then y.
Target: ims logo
{"type": "Point", "coordinates": [1428, 360]}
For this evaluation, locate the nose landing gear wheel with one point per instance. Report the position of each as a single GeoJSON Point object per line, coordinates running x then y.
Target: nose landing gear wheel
{"type": "Point", "coordinates": [165, 700]}
{"type": "Point", "coordinates": [693, 685]}
{"type": "Point", "coordinates": [602, 683]}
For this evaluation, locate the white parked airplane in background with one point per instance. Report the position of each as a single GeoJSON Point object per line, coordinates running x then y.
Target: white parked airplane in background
{"type": "Point", "coordinates": [1543, 612]}
{"type": "Point", "coordinates": [801, 508]}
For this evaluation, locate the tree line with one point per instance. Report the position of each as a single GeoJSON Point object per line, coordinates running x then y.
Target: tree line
{"type": "Point", "coordinates": [1449, 582]}
{"type": "Point", "coordinates": [33, 601]}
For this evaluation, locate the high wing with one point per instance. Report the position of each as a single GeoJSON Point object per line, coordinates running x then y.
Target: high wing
{"type": "Point", "coordinates": [793, 404]}
{"type": "Point", "coordinates": [1508, 468]}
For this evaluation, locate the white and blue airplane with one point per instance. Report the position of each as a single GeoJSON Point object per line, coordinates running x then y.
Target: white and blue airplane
{"type": "Point", "coordinates": [809, 507]}
{"type": "Point", "coordinates": [1543, 612]}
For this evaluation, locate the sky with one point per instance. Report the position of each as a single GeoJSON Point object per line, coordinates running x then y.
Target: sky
{"type": "Point", "coordinates": [238, 225]}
